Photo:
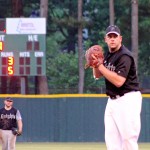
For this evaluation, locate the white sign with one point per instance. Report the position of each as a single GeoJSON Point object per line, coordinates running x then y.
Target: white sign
{"type": "Point", "coordinates": [25, 25]}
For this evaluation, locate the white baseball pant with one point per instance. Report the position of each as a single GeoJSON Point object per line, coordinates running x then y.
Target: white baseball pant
{"type": "Point", "coordinates": [122, 122]}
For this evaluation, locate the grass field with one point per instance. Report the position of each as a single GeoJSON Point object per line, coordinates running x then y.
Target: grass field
{"type": "Point", "coordinates": [69, 146]}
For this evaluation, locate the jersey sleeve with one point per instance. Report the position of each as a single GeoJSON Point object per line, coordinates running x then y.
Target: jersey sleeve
{"type": "Point", "coordinates": [123, 66]}
{"type": "Point", "coordinates": [18, 115]}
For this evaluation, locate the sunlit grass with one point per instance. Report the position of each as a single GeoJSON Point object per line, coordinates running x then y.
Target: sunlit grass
{"type": "Point", "coordinates": [69, 146]}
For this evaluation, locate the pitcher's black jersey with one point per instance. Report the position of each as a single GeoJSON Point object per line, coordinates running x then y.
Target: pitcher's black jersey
{"type": "Point", "coordinates": [8, 119]}
{"type": "Point", "coordinates": [123, 64]}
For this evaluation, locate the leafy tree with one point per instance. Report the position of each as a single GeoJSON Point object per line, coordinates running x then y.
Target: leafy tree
{"type": "Point", "coordinates": [144, 38]}
{"type": "Point", "coordinates": [62, 32]}
{"type": "Point", "coordinates": [62, 69]}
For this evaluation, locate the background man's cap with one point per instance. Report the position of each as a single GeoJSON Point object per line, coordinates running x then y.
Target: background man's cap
{"type": "Point", "coordinates": [113, 29]}
{"type": "Point", "coordinates": [8, 99]}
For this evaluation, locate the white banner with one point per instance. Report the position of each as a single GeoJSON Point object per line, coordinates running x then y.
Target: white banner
{"type": "Point", "coordinates": [25, 25]}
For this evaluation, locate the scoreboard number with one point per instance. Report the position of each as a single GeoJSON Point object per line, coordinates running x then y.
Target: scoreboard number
{"type": "Point", "coordinates": [10, 66]}
{"type": "Point", "coordinates": [10, 61]}
{"type": "Point", "coordinates": [1, 45]}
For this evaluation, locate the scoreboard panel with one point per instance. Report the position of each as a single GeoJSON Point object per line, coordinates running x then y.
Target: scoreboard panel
{"type": "Point", "coordinates": [22, 47]}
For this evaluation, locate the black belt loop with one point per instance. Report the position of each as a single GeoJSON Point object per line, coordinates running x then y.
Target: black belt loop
{"type": "Point", "coordinates": [114, 97]}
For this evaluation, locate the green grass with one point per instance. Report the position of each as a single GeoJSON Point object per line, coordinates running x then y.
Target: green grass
{"type": "Point", "coordinates": [69, 146]}
{"type": "Point", "coordinates": [144, 146]}
{"type": "Point", "coordinates": [60, 146]}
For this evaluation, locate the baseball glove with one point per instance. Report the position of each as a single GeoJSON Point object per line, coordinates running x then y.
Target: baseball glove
{"type": "Point", "coordinates": [15, 131]}
{"type": "Point", "coordinates": [94, 56]}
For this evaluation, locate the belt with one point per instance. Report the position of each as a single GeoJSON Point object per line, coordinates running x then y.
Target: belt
{"type": "Point", "coordinates": [114, 97]}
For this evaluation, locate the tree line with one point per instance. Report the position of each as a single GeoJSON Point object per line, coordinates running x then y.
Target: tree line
{"type": "Point", "coordinates": [67, 22]}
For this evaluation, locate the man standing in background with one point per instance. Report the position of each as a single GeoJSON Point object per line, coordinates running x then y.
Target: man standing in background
{"type": "Point", "coordinates": [10, 124]}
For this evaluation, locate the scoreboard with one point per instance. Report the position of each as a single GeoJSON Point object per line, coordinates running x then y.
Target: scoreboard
{"type": "Point", "coordinates": [22, 47]}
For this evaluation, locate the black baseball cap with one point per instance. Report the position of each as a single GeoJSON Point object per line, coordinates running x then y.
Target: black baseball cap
{"type": "Point", "coordinates": [9, 99]}
{"type": "Point", "coordinates": [113, 29]}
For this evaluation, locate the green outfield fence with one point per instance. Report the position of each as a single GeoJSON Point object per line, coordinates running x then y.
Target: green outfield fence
{"type": "Point", "coordinates": [69, 117]}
